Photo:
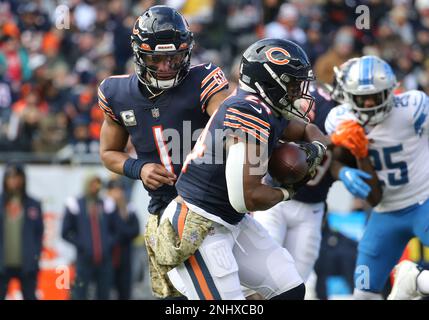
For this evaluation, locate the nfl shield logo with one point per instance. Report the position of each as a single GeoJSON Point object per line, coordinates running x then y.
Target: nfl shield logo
{"type": "Point", "coordinates": [155, 112]}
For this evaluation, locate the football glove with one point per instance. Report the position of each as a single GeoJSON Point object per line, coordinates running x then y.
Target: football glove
{"type": "Point", "coordinates": [315, 153]}
{"type": "Point", "coordinates": [352, 179]}
{"type": "Point", "coordinates": [351, 135]}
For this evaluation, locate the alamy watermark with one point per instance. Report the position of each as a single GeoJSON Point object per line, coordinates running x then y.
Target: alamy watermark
{"type": "Point", "coordinates": [62, 17]}
{"type": "Point", "coordinates": [363, 20]}
{"type": "Point", "coordinates": [210, 146]}
{"type": "Point", "coordinates": [62, 281]}
{"type": "Point", "coordinates": [362, 279]}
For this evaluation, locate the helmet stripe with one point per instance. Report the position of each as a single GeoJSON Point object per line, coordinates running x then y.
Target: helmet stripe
{"type": "Point", "coordinates": [366, 73]}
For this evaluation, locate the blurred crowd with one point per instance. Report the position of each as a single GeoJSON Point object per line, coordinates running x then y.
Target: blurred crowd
{"type": "Point", "coordinates": [100, 223]}
{"type": "Point", "coordinates": [53, 54]}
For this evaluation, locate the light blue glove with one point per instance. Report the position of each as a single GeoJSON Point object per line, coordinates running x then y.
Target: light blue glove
{"type": "Point", "coordinates": [352, 179]}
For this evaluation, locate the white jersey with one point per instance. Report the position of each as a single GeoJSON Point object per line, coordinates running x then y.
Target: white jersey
{"type": "Point", "coordinates": [398, 149]}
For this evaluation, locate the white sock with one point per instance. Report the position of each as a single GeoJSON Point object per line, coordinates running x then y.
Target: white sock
{"type": "Point", "coordinates": [423, 282]}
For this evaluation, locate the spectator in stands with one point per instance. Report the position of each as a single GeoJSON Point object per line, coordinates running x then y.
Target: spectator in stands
{"type": "Point", "coordinates": [81, 144]}
{"type": "Point", "coordinates": [13, 57]}
{"type": "Point", "coordinates": [316, 44]}
{"type": "Point", "coordinates": [423, 77]}
{"type": "Point", "coordinates": [286, 25]}
{"type": "Point", "coordinates": [5, 103]}
{"type": "Point", "coordinates": [91, 225]}
{"type": "Point", "coordinates": [52, 134]}
{"type": "Point", "coordinates": [342, 50]}
{"type": "Point", "coordinates": [337, 13]}
{"type": "Point", "coordinates": [397, 20]}
{"type": "Point", "coordinates": [21, 233]}
{"type": "Point", "coordinates": [24, 121]}
{"type": "Point", "coordinates": [238, 23]}
{"type": "Point", "coordinates": [129, 229]}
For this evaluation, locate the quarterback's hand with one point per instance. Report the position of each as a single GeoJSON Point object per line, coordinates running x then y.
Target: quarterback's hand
{"type": "Point", "coordinates": [351, 135]}
{"type": "Point", "coordinates": [155, 175]}
{"type": "Point", "coordinates": [352, 179]}
{"type": "Point", "coordinates": [315, 153]}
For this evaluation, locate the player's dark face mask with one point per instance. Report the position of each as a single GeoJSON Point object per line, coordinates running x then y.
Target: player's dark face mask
{"type": "Point", "coordinates": [295, 100]}
{"type": "Point", "coordinates": [370, 100]}
{"type": "Point", "coordinates": [164, 66]}
{"type": "Point", "coordinates": [371, 108]}
{"type": "Point", "coordinates": [161, 70]}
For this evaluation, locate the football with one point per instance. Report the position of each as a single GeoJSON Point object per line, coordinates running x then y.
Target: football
{"type": "Point", "coordinates": [288, 163]}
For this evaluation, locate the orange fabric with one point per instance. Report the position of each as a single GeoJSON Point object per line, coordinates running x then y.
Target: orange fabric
{"type": "Point", "coordinates": [10, 29]}
{"type": "Point", "coordinates": [50, 42]}
{"type": "Point", "coordinates": [19, 106]}
{"type": "Point", "coordinates": [350, 135]}
{"type": "Point", "coordinates": [85, 98]}
{"type": "Point", "coordinates": [47, 288]}
{"type": "Point", "coordinates": [94, 130]}
{"type": "Point", "coordinates": [182, 218]}
{"type": "Point", "coordinates": [200, 278]}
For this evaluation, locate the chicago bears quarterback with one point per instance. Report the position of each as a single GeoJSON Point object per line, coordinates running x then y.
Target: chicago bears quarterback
{"type": "Point", "coordinates": [221, 180]}
{"type": "Point", "coordinates": [165, 92]}
{"type": "Point", "coordinates": [387, 135]}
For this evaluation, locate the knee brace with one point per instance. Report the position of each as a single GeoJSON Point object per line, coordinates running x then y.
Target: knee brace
{"type": "Point", "coordinates": [296, 293]}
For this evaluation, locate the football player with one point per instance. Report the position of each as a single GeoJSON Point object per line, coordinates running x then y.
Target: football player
{"type": "Point", "coordinates": [222, 181]}
{"type": "Point", "coordinates": [387, 135]}
{"type": "Point", "coordinates": [411, 282]}
{"type": "Point", "coordinates": [165, 92]}
{"type": "Point", "coordinates": [297, 224]}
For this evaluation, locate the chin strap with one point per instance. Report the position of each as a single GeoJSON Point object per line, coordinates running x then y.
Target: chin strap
{"type": "Point", "coordinates": [152, 91]}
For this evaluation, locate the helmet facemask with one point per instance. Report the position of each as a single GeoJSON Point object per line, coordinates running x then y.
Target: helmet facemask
{"type": "Point", "coordinates": [337, 91]}
{"type": "Point", "coordinates": [174, 66]}
{"type": "Point", "coordinates": [372, 115]}
{"type": "Point", "coordinates": [287, 95]}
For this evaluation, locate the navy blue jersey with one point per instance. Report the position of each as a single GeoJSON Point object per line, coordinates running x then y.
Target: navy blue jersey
{"type": "Point", "coordinates": [155, 124]}
{"type": "Point", "coordinates": [202, 182]}
{"type": "Point", "coordinates": [317, 189]}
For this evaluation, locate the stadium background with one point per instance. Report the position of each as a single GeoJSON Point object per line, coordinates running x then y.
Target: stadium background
{"type": "Point", "coordinates": [53, 54]}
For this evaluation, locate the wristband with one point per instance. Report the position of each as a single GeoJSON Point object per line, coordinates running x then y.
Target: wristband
{"type": "Point", "coordinates": [286, 195]}
{"type": "Point", "coordinates": [321, 145]}
{"type": "Point", "coordinates": [132, 168]}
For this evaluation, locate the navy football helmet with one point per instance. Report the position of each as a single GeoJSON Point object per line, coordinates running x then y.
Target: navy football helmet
{"type": "Point", "coordinates": [280, 73]}
{"type": "Point", "coordinates": [162, 45]}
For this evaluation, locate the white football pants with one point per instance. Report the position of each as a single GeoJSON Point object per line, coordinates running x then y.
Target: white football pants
{"type": "Point", "coordinates": [296, 226]}
{"type": "Point", "coordinates": [228, 258]}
